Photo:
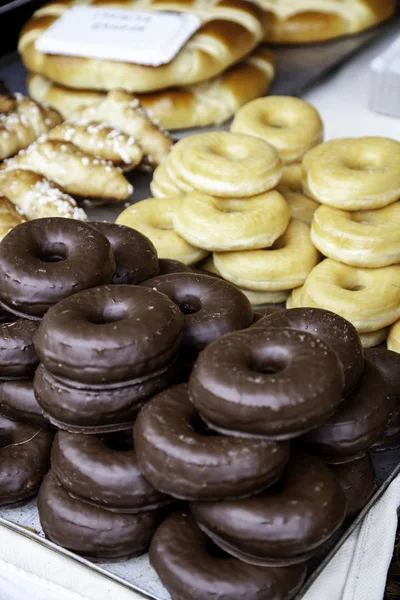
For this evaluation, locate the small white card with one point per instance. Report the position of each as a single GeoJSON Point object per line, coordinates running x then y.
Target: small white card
{"type": "Point", "coordinates": [147, 38]}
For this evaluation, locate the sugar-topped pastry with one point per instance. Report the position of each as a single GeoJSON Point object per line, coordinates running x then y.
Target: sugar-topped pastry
{"type": "Point", "coordinates": [9, 216]}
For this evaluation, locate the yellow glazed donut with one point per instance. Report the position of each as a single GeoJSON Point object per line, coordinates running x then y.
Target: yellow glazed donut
{"type": "Point", "coordinates": [301, 206]}
{"type": "Point", "coordinates": [221, 224]}
{"type": "Point", "coordinates": [368, 298]}
{"type": "Point", "coordinates": [229, 165]}
{"type": "Point", "coordinates": [368, 238]}
{"type": "Point", "coordinates": [393, 342]}
{"type": "Point", "coordinates": [153, 217]}
{"type": "Point", "coordinates": [374, 338]}
{"type": "Point", "coordinates": [282, 267]}
{"type": "Point", "coordinates": [353, 174]}
{"type": "Point", "coordinates": [292, 125]}
{"type": "Point", "coordinates": [162, 185]}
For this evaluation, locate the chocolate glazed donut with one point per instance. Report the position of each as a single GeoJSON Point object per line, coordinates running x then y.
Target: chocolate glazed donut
{"type": "Point", "coordinates": [282, 526]}
{"type": "Point", "coordinates": [17, 353]}
{"type": "Point", "coordinates": [191, 567]}
{"type": "Point", "coordinates": [357, 480]}
{"type": "Point", "coordinates": [212, 307]}
{"type": "Point", "coordinates": [24, 460]}
{"type": "Point", "coordinates": [110, 334]}
{"type": "Point", "coordinates": [273, 383]}
{"type": "Point", "coordinates": [135, 255]}
{"type": "Point", "coordinates": [108, 477]}
{"type": "Point", "coordinates": [359, 422]}
{"type": "Point", "coordinates": [169, 265]}
{"type": "Point", "coordinates": [336, 332]}
{"type": "Point", "coordinates": [179, 456]}
{"type": "Point", "coordinates": [91, 531]}
{"type": "Point", "coordinates": [45, 260]}
{"type": "Point", "coordinates": [18, 402]}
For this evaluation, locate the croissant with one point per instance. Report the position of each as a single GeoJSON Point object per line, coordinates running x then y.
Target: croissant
{"type": "Point", "coordinates": [100, 140]}
{"type": "Point", "coordinates": [37, 197]}
{"type": "Point", "coordinates": [9, 216]}
{"type": "Point", "coordinates": [22, 121]}
{"type": "Point", "coordinates": [76, 172]}
{"type": "Point", "coordinates": [121, 109]}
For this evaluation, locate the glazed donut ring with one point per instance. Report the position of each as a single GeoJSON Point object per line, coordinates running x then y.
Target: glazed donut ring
{"type": "Point", "coordinates": [301, 206]}
{"type": "Point", "coordinates": [162, 185]}
{"type": "Point", "coordinates": [359, 239]}
{"type": "Point", "coordinates": [192, 568]}
{"type": "Point", "coordinates": [271, 383]}
{"type": "Point", "coordinates": [154, 219]}
{"type": "Point", "coordinates": [373, 338]}
{"type": "Point", "coordinates": [177, 456]}
{"type": "Point", "coordinates": [18, 403]}
{"type": "Point", "coordinates": [284, 266]}
{"type": "Point", "coordinates": [217, 224]}
{"type": "Point", "coordinates": [229, 165]}
{"type": "Point", "coordinates": [17, 352]}
{"type": "Point", "coordinates": [393, 342]}
{"type": "Point", "coordinates": [279, 527]}
{"type": "Point", "coordinates": [291, 125]}
{"type": "Point", "coordinates": [353, 174]}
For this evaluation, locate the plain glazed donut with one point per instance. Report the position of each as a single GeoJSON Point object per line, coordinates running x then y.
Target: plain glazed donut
{"type": "Point", "coordinates": [393, 342]}
{"type": "Point", "coordinates": [179, 456]}
{"type": "Point", "coordinates": [332, 329]}
{"type": "Point", "coordinates": [18, 402]}
{"type": "Point", "coordinates": [359, 422]}
{"type": "Point", "coordinates": [89, 530]}
{"type": "Point", "coordinates": [217, 224]}
{"type": "Point", "coordinates": [373, 338]}
{"type": "Point", "coordinates": [45, 260]}
{"type": "Point", "coordinates": [290, 186]}
{"type": "Point", "coordinates": [353, 174]}
{"type": "Point", "coordinates": [24, 460]}
{"type": "Point", "coordinates": [358, 481]}
{"type": "Point", "coordinates": [229, 165]}
{"type": "Point", "coordinates": [117, 332]}
{"type": "Point", "coordinates": [211, 306]}
{"type": "Point", "coordinates": [368, 238]}
{"type": "Point", "coordinates": [289, 124]}
{"type": "Point", "coordinates": [154, 219]}
{"type": "Point", "coordinates": [162, 185]}
{"type": "Point", "coordinates": [272, 383]}
{"type": "Point", "coordinates": [282, 526]}
{"type": "Point", "coordinates": [103, 472]}
{"type": "Point", "coordinates": [17, 353]}
{"type": "Point", "coordinates": [192, 568]}
{"type": "Point", "coordinates": [284, 266]}
{"type": "Point", "coordinates": [135, 255]}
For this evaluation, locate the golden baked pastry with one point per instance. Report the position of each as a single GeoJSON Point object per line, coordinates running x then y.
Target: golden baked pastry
{"type": "Point", "coordinates": [22, 121]}
{"type": "Point", "coordinates": [394, 338]}
{"type": "Point", "coordinates": [229, 31]}
{"type": "Point", "coordinates": [162, 185]}
{"type": "Point", "coordinates": [36, 197]}
{"type": "Point", "coordinates": [10, 217]}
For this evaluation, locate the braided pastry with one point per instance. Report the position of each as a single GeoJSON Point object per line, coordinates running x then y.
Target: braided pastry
{"type": "Point", "coordinates": [9, 216]}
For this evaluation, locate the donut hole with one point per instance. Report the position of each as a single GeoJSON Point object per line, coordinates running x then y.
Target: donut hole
{"type": "Point", "coordinates": [50, 253]}
{"type": "Point", "coordinates": [215, 551]}
{"type": "Point", "coordinates": [353, 288]}
{"type": "Point", "coordinates": [267, 365]}
{"type": "Point", "coordinates": [110, 314]}
{"type": "Point", "coordinates": [363, 219]}
{"type": "Point", "coordinates": [189, 305]}
{"type": "Point", "coordinates": [120, 441]}
{"type": "Point", "coordinates": [234, 152]}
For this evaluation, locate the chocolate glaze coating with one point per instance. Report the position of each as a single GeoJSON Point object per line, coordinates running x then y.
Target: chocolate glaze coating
{"type": "Point", "coordinates": [192, 568]}
{"type": "Point", "coordinates": [18, 402]}
{"type": "Point", "coordinates": [358, 423]}
{"type": "Point", "coordinates": [93, 411]}
{"type": "Point", "coordinates": [273, 383]}
{"type": "Point", "coordinates": [110, 334]}
{"type": "Point", "coordinates": [93, 472]}
{"type": "Point", "coordinates": [336, 332]}
{"type": "Point", "coordinates": [169, 265]}
{"type": "Point", "coordinates": [24, 460]}
{"type": "Point", "coordinates": [264, 311]}
{"type": "Point", "coordinates": [135, 255]}
{"type": "Point", "coordinates": [212, 307]}
{"type": "Point", "coordinates": [17, 352]}
{"type": "Point", "coordinates": [92, 531]}
{"type": "Point", "coordinates": [179, 457]}
{"type": "Point", "coordinates": [389, 362]}
{"type": "Point", "coordinates": [357, 480]}
{"type": "Point", "coordinates": [45, 260]}
{"type": "Point", "coordinates": [281, 526]}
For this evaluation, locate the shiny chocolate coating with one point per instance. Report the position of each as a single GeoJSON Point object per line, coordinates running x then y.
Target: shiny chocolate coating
{"type": "Point", "coordinates": [110, 334]}
{"type": "Point", "coordinates": [18, 402]}
{"type": "Point", "coordinates": [135, 255]}
{"type": "Point", "coordinates": [92, 531]}
{"type": "Point", "coordinates": [357, 480]}
{"type": "Point", "coordinates": [81, 410]}
{"type": "Point", "coordinates": [24, 460]}
{"type": "Point", "coordinates": [17, 352]}
{"type": "Point", "coordinates": [264, 311]}
{"type": "Point", "coordinates": [358, 423]}
{"type": "Point", "coordinates": [169, 265]}
{"type": "Point", "coordinates": [274, 383]}
{"type": "Point", "coordinates": [94, 472]}
{"type": "Point", "coordinates": [336, 332]}
{"type": "Point", "coordinates": [283, 525]}
{"type": "Point", "coordinates": [389, 362]}
{"type": "Point", "coordinates": [45, 260]}
{"type": "Point", "coordinates": [212, 307]}
{"type": "Point", "coordinates": [192, 568]}
{"type": "Point", "coordinates": [180, 457]}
